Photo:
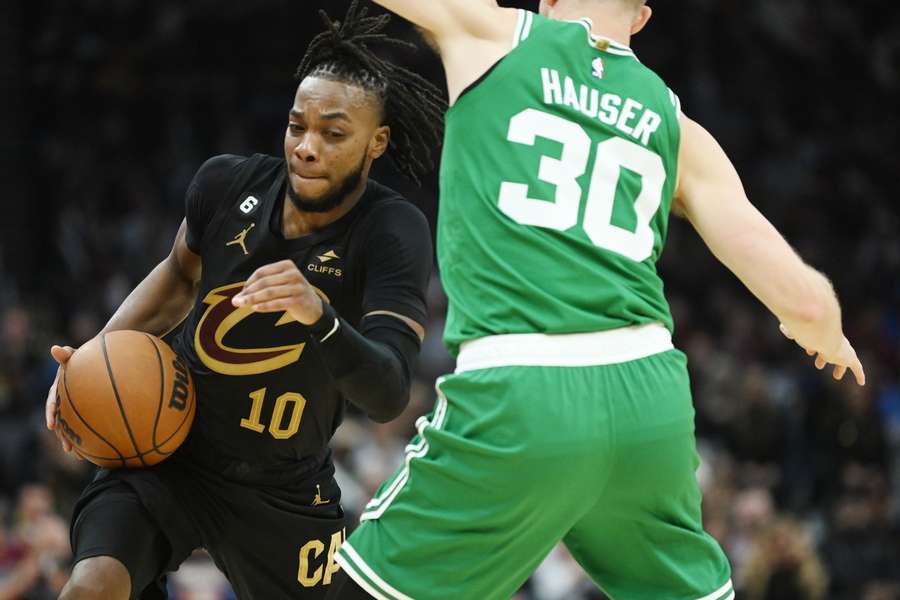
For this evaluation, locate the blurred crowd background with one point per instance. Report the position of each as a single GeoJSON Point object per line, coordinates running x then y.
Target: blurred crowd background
{"type": "Point", "coordinates": [109, 106]}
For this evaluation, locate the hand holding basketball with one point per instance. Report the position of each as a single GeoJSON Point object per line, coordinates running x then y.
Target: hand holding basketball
{"type": "Point", "coordinates": [123, 399]}
{"type": "Point", "coordinates": [61, 354]}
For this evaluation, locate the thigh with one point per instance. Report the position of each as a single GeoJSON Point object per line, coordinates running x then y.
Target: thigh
{"type": "Point", "coordinates": [644, 537]}
{"type": "Point", "coordinates": [114, 523]}
{"type": "Point", "coordinates": [273, 548]}
{"type": "Point", "coordinates": [126, 513]}
{"type": "Point", "coordinates": [493, 481]}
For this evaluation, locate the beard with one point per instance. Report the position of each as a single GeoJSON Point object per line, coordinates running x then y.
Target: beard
{"type": "Point", "coordinates": [331, 199]}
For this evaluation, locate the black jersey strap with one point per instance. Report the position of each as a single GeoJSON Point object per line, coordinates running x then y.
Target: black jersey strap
{"type": "Point", "coordinates": [371, 369]}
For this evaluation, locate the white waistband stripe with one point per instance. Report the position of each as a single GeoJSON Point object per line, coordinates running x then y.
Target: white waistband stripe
{"type": "Point", "coordinates": [358, 561]}
{"type": "Point", "coordinates": [359, 579]}
{"type": "Point", "coordinates": [566, 350]}
{"type": "Point", "coordinates": [717, 595]}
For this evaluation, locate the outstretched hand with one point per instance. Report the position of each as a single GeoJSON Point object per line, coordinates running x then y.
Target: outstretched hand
{"type": "Point", "coordinates": [843, 359]}
{"type": "Point", "coordinates": [61, 354]}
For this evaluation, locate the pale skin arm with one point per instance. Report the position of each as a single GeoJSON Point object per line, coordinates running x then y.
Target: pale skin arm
{"type": "Point", "coordinates": [471, 35]}
{"type": "Point", "coordinates": [159, 303]}
{"type": "Point", "coordinates": [710, 195]}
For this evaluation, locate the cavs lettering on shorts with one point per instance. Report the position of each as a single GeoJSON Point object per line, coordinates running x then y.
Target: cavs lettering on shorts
{"type": "Point", "coordinates": [317, 565]}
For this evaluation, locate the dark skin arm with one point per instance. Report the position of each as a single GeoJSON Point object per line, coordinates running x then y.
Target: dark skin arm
{"type": "Point", "coordinates": [159, 303]}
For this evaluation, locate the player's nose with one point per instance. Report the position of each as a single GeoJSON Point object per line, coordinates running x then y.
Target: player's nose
{"type": "Point", "coordinates": [305, 149]}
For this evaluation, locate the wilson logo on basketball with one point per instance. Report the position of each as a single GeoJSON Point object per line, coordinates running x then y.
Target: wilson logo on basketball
{"type": "Point", "coordinates": [221, 317]}
{"type": "Point", "coordinates": [180, 389]}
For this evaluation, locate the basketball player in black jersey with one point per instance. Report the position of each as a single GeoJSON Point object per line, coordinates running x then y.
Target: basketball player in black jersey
{"type": "Point", "coordinates": [301, 285]}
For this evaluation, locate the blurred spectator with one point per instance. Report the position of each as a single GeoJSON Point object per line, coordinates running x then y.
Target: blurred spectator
{"type": "Point", "coordinates": [862, 551]}
{"type": "Point", "coordinates": [783, 565]}
{"type": "Point", "coordinates": [34, 551]}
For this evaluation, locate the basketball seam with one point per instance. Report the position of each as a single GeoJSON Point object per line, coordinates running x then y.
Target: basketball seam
{"type": "Point", "coordinates": [86, 424]}
{"type": "Point", "coordinates": [122, 457]}
{"type": "Point", "coordinates": [162, 386]}
{"type": "Point", "coordinates": [183, 419]}
{"type": "Point", "coordinates": [112, 380]}
{"type": "Point", "coordinates": [177, 429]}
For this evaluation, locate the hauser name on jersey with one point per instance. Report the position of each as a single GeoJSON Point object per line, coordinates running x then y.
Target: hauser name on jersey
{"type": "Point", "coordinates": [627, 114]}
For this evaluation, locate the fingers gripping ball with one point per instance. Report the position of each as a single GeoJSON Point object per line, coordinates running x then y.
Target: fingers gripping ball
{"type": "Point", "coordinates": [125, 399]}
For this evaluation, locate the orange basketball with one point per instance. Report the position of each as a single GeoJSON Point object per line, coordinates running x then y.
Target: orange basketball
{"type": "Point", "coordinates": [125, 400]}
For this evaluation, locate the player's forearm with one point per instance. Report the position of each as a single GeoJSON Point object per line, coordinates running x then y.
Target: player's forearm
{"type": "Point", "coordinates": [819, 327]}
{"type": "Point", "coordinates": [712, 197]}
{"type": "Point", "coordinates": [799, 296]}
{"type": "Point", "coordinates": [159, 303]}
{"type": "Point", "coordinates": [372, 371]}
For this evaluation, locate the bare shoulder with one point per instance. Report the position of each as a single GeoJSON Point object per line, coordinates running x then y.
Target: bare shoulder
{"type": "Point", "coordinates": [471, 52]}
{"type": "Point", "coordinates": [699, 156]}
{"type": "Point", "coordinates": [479, 19]}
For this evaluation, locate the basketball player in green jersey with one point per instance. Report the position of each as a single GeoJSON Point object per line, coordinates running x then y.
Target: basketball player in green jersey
{"type": "Point", "coordinates": [569, 416]}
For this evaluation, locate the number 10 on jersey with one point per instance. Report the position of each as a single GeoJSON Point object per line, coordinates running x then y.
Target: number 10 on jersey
{"type": "Point", "coordinates": [277, 429]}
{"type": "Point", "coordinates": [563, 173]}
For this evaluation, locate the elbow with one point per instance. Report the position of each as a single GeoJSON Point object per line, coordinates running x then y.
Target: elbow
{"type": "Point", "coordinates": [391, 407]}
{"type": "Point", "coordinates": [389, 400]}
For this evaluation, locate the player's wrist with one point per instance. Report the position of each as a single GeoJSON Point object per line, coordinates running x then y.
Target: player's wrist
{"type": "Point", "coordinates": [326, 324]}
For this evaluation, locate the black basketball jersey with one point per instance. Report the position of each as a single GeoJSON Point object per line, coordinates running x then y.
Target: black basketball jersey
{"type": "Point", "coordinates": [266, 402]}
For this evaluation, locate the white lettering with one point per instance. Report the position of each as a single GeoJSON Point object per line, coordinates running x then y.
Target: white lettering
{"type": "Point", "coordinates": [625, 114]}
{"type": "Point", "coordinates": [628, 114]}
{"type": "Point", "coordinates": [571, 98]}
{"type": "Point", "coordinates": [589, 109]}
{"type": "Point", "coordinates": [647, 126]}
{"type": "Point", "coordinates": [552, 88]}
{"type": "Point", "coordinates": [609, 106]}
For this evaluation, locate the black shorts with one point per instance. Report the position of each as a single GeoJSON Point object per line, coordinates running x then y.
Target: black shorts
{"type": "Point", "coordinates": [271, 542]}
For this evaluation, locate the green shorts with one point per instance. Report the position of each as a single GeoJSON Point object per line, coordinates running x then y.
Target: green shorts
{"type": "Point", "coordinates": [515, 459]}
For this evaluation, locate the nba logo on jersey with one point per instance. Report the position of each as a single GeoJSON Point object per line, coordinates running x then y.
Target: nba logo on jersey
{"type": "Point", "coordinates": [597, 68]}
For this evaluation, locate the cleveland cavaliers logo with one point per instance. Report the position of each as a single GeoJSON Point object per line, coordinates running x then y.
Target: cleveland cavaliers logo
{"type": "Point", "coordinates": [222, 316]}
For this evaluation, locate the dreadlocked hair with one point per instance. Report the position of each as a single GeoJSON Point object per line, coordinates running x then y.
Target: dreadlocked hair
{"type": "Point", "coordinates": [413, 107]}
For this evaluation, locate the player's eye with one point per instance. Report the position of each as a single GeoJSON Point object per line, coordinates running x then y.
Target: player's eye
{"type": "Point", "coordinates": [335, 134]}
{"type": "Point", "coordinates": [295, 128]}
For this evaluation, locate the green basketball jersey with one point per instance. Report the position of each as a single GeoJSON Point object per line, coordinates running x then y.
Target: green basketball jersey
{"type": "Point", "coordinates": [556, 184]}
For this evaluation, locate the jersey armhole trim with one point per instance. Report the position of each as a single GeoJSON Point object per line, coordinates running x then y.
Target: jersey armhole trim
{"type": "Point", "coordinates": [478, 81]}
{"type": "Point", "coordinates": [523, 27]}
{"type": "Point", "coordinates": [522, 31]}
{"type": "Point", "coordinates": [676, 102]}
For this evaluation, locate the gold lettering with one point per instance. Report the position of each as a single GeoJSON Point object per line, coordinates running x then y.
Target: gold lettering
{"type": "Point", "coordinates": [303, 576]}
{"type": "Point", "coordinates": [337, 538]}
{"type": "Point", "coordinates": [325, 270]}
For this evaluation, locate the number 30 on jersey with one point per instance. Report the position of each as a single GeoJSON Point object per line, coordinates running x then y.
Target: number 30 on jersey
{"type": "Point", "coordinates": [562, 213]}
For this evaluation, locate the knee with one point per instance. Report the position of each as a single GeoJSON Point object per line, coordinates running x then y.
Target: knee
{"type": "Point", "coordinates": [98, 578]}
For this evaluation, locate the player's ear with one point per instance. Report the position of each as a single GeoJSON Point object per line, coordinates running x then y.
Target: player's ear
{"type": "Point", "coordinates": [378, 145]}
{"type": "Point", "coordinates": [546, 6]}
{"type": "Point", "coordinates": [640, 21]}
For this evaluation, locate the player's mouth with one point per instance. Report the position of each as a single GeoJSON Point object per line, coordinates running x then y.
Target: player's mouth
{"type": "Point", "coordinates": [300, 173]}
{"type": "Point", "coordinates": [307, 177]}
